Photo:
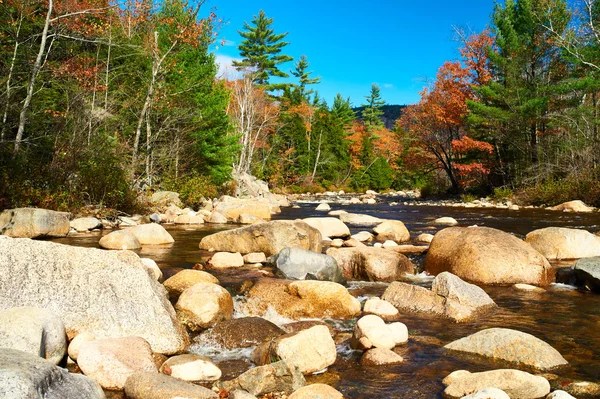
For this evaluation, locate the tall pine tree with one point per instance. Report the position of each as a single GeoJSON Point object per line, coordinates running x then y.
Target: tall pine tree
{"type": "Point", "coordinates": [372, 109]}
{"type": "Point", "coordinates": [301, 72]}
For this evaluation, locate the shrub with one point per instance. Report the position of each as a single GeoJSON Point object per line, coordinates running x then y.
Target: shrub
{"type": "Point", "coordinates": [193, 189]}
{"type": "Point", "coordinates": [502, 194]}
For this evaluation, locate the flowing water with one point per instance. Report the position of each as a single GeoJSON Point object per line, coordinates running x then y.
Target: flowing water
{"type": "Point", "coordinates": [566, 318]}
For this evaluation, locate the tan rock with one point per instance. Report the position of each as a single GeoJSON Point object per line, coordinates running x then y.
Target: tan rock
{"type": "Point", "coordinates": [393, 230]}
{"type": "Point", "coordinates": [270, 378]}
{"type": "Point", "coordinates": [148, 385]}
{"type": "Point", "coordinates": [573, 206]}
{"type": "Point", "coordinates": [329, 227]}
{"type": "Point", "coordinates": [515, 383]}
{"type": "Point", "coordinates": [216, 217]}
{"type": "Point", "coordinates": [323, 207]}
{"type": "Point", "coordinates": [34, 223]}
{"type": "Point", "coordinates": [192, 368]}
{"type": "Point", "coordinates": [224, 260]}
{"type": "Point", "coordinates": [232, 208]}
{"type": "Point", "coordinates": [152, 234]}
{"type": "Point", "coordinates": [83, 225]}
{"type": "Point", "coordinates": [359, 220]}
{"type": "Point", "coordinates": [380, 357]}
{"type": "Point", "coordinates": [203, 305]}
{"type": "Point", "coordinates": [563, 243]}
{"type": "Point", "coordinates": [120, 239]}
{"type": "Point", "coordinates": [427, 238]}
{"type": "Point", "coordinates": [75, 344]}
{"type": "Point", "coordinates": [152, 268]}
{"type": "Point", "coordinates": [372, 332]}
{"type": "Point", "coordinates": [381, 308]}
{"type": "Point", "coordinates": [363, 236]}
{"type": "Point", "coordinates": [445, 221]}
{"type": "Point", "coordinates": [316, 391]}
{"type": "Point", "coordinates": [187, 278]}
{"type": "Point", "coordinates": [255, 257]}
{"type": "Point", "coordinates": [372, 264]}
{"type": "Point", "coordinates": [246, 218]}
{"type": "Point", "coordinates": [189, 219]}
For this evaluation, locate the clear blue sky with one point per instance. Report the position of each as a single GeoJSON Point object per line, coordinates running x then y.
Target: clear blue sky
{"type": "Point", "coordinates": [352, 44]}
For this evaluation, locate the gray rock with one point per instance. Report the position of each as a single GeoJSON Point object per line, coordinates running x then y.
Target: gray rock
{"type": "Point", "coordinates": [149, 385]}
{"type": "Point", "coordinates": [274, 377]}
{"type": "Point", "coordinates": [33, 330]}
{"type": "Point", "coordinates": [587, 273]}
{"type": "Point", "coordinates": [155, 218]}
{"type": "Point", "coordinates": [107, 293]}
{"type": "Point", "coordinates": [34, 223]}
{"type": "Point", "coordinates": [301, 264]}
{"type": "Point", "coordinates": [372, 264]}
{"type": "Point", "coordinates": [516, 347]}
{"type": "Point", "coordinates": [26, 376]}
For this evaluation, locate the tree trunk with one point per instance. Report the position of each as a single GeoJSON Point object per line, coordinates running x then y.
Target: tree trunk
{"type": "Point", "coordinates": [312, 178]}
{"type": "Point", "coordinates": [31, 85]}
{"type": "Point", "coordinates": [9, 80]}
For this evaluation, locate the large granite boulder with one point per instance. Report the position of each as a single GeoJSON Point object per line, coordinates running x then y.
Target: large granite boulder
{"type": "Point", "coordinates": [27, 376]}
{"type": "Point", "coordinates": [329, 227]}
{"type": "Point", "coordinates": [587, 273]}
{"type": "Point", "coordinates": [268, 237]}
{"type": "Point", "coordinates": [515, 383]}
{"type": "Point", "coordinates": [34, 223]}
{"type": "Point", "coordinates": [355, 219]}
{"type": "Point", "coordinates": [120, 240]}
{"type": "Point", "coordinates": [232, 208]}
{"type": "Point", "coordinates": [149, 385]}
{"type": "Point", "coordinates": [301, 264]}
{"type": "Point", "coordinates": [371, 264]}
{"type": "Point", "coordinates": [449, 297]}
{"type": "Point", "coordinates": [487, 256]}
{"type": "Point", "coordinates": [563, 243]}
{"type": "Point", "coordinates": [515, 347]}
{"type": "Point", "coordinates": [151, 234]}
{"type": "Point", "coordinates": [393, 230]}
{"type": "Point", "coordinates": [33, 330]}
{"type": "Point", "coordinates": [573, 206]}
{"type": "Point", "coordinates": [302, 299]}
{"type": "Point", "coordinates": [107, 293]}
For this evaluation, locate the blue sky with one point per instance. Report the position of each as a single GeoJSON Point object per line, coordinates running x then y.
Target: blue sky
{"type": "Point", "coordinates": [351, 44]}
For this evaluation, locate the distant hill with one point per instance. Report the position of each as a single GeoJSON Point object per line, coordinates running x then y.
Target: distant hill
{"type": "Point", "coordinates": [390, 114]}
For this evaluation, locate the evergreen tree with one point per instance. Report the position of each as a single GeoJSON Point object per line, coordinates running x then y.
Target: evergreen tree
{"type": "Point", "coordinates": [261, 51]}
{"type": "Point", "coordinates": [372, 111]}
{"type": "Point", "coordinates": [301, 72]}
{"type": "Point", "coordinates": [342, 111]}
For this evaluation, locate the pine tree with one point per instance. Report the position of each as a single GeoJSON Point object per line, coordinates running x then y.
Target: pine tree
{"type": "Point", "coordinates": [261, 51]}
{"type": "Point", "coordinates": [301, 72]}
{"type": "Point", "coordinates": [342, 111]}
{"type": "Point", "coordinates": [372, 109]}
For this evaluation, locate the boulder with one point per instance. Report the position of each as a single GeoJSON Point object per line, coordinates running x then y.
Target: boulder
{"type": "Point", "coordinates": [408, 249]}
{"type": "Point", "coordinates": [427, 238]}
{"type": "Point", "coordinates": [587, 273]}
{"type": "Point", "coordinates": [75, 344]}
{"type": "Point", "coordinates": [487, 256]}
{"type": "Point", "coordinates": [152, 234]}
{"type": "Point", "coordinates": [329, 227]}
{"type": "Point", "coordinates": [246, 218]}
{"type": "Point", "coordinates": [24, 375]}
{"type": "Point", "coordinates": [372, 332]}
{"type": "Point", "coordinates": [244, 332]}
{"type": "Point", "coordinates": [516, 384]}
{"type": "Point", "coordinates": [393, 230]}
{"type": "Point", "coordinates": [488, 393]}
{"type": "Point", "coordinates": [381, 308]}
{"type": "Point", "coordinates": [33, 330]}
{"type": "Point", "coordinates": [216, 217]}
{"type": "Point", "coordinates": [255, 257]}
{"type": "Point", "coordinates": [165, 198]}
{"type": "Point", "coordinates": [187, 278]}
{"type": "Point", "coordinates": [224, 260]}
{"type": "Point", "coordinates": [153, 268]}
{"type": "Point", "coordinates": [301, 264]}
{"type": "Point", "coordinates": [203, 305]}
{"type": "Point", "coordinates": [380, 357]}
{"type": "Point", "coordinates": [192, 368]}
{"type": "Point", "coordinates": [148, 385]}
{"type": "Point", "coordinates": [316, 391]}
{"type": "Point", "coordinates": [269, 238]}
{"type": "Point", "coordinates": [353, 243]}
{"type": "Point", "coordinates": [232, 208]}
{"type": "Point", "coordinates": [573, 206]}
{"type": "Point", "coordinates": [363, 236]}
{"type": "Point", "coordinates": [261, 380]}
{"type": "Point", "coordinates": [110, 361]}
{"type": "Point", "coordinates": [83, 225]}
{"type": "Point", "coordinates": [309, 350]}
{"type": "Point", "coordinates": [355, 219]}
{"type": "Point", "coordinates": [323, 208]}
{"type": "Point", "coordinates": [515, 347]}
{"type": "Point", "coordinates": [563, 243]}
{"type": "Point", "coordinates": [189, 219]}
{"type": "Point", "coordinates": [302, 299]}
{"type": "Point", "coordinates": [107, 293]}
{"type": "Point", "coordinates": [371, 264]}
{"type": "Point", "coordinates": [34, 223]}
{"type": "Point", "coordinates": [449, 297]}
{"type": "Point", "coordinates": [445, 221]}
{"type": "Point", "coordinates": [120, 239]}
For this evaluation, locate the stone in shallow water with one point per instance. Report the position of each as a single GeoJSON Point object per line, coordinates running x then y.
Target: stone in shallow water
{"type": "Point", "coordinates": [203, 305]}
{"type": "Point", "coordinates": [185, 279]}
{"type": "Point", "coordinates": [515, 383]}
{"type": "Point", "coordinates": [193, 368]}
{"type": "Point", "coordinates": [242, 332]}
{"type": "Point", "coordinates": [261, 380]}
{"type": "Point", "coordinates": [488, 393]}
{"type": "Point", "coordinates": [301, 264]}
{"type": "Point", "coordinates": [564, 243]}
{"type": "Point", "coordinates": [317, 391]}
{"type": "Point", "coordinates": [148, 385]}
{"type": "Point", "coordinates": [380, 357]}
{"type": "Point", "coordinates": [587, 273]}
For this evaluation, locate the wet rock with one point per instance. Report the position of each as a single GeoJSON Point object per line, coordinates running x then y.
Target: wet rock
{"type": "Point", "coordinates": [115, 295]}
{"type": "Point", "coordinates": [528, 287]}
{"type": "Point", "coordinates": [153, 268]}
{"type": "Point", "coordinates": [371, 264]}
{"type": "Point", "coordinates": [244, 332]}
{"type": "Point", "coordinates": [187, 278]}
{"type": "Point", "coordinates": [192, 368]}
{"type": "Point", "coordinates": [381, 308]}
{"type": "Point", "coordinates": [563, 243]}
{"type": "Point", "coordinates": [363, 236]}
{"type": "Point", "coordinates": [488, 393]}
{"type": "Point", "coordinates": [355, 219]}
{"type": "Point", "coordinates": [559, 395]}
{"type": "Point", "coordinates": [515, 383]}
{"type": "Point", "coordinates": [216, 217]}
{"type": "Point", "coordinates": [274, 377]}
{"type": "Point", "coordinates": [487, 256]}
{"type": "Point", "coordinates": [33, 330]}
{"type": "Point", "coordinates": [301, 264]}
{"type": "Point", "coordinates": [445, 221]}
{"type": "Point", "coordinates": [148, 385]}
{"type": "Point", "coordinates": [224, 260]}
{"type": "Point", "coordinates": [246, 218]}
{"type": "Point", "coordinates": [203, 305]}
{"type": "Point", "coordinates": [189, 219]}
{"type": "Point", "coordinates": [573, 206]}
{"type": "Point", "coordinates": [449, 297]}
{"type": "Point", "coordinates": [152, 234]}
{"type": "Point", "coordinates": [316, 391]}
{"type": "Point", "coordinates": [232, 208]}
{"type": "Point", "coordinates": [302, 299]}
{"type": "Point", "coordinates": [110, 361]}
{"type": "Point", "coordinates": [323, 207]}
{"type": "Point", "coordinates": [120, 239]}
{"type": "Point", "coordinates": [380, 357]}
{"type": "Point", "coordinates": [24, 375]}
{"type": "Point", "coordinates": [393, 230]}
{"type": "Point", "coordinates": [427, 238]}
{"type": "Point", "coordinates": [587, 273]}
{"type": "Point", "coordinates": [372, 332]}
{"type": "Point", "coordinates": [298, 326]}
{"type": "Point", "coordinates": [34, 223]}
{"type": "Point", "coordinates": [329, 227]}
{"type": "Point", "coordinates": [515, 347]}
{"type": "Point", "coordinates": [410, 249]}
{"type": "Point", "coordinates": [269, 238]}
{"type": "Point", "coordinates": [83, 225]}
{"type": "Point", "coordinates": [337, 212]}
{"type": "Point", "coordinates": [309, 350]}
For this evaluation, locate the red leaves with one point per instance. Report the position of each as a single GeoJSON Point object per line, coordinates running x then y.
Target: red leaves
{"type": "Point", "coordinates": [466, 144]}
{"type": "Point", "coordinates": [82, 70]}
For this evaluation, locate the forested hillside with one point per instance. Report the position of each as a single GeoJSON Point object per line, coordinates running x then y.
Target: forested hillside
{"type": "Point", "coordinates": [103, 100]}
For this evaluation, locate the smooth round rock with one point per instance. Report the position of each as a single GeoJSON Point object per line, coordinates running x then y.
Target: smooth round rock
{"type": "Point", "coordinates": [192, 368]}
